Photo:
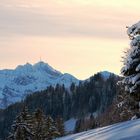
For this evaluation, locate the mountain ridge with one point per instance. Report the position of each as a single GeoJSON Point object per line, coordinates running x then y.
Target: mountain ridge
{"type": "Point", "coordinates": [81, 100]}
{"type": "Point", "coordinates": [16, 83]}
{"type": "Point", "coordinates": [25, 79]}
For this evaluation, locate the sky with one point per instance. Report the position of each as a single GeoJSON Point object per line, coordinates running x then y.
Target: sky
{"type": "Point", "coordinates": [80, 37]}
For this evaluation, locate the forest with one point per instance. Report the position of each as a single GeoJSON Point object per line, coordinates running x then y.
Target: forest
{"type": "Point", "coordinates": [93, 95]}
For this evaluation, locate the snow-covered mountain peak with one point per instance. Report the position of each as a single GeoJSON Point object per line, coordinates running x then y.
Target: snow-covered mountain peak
{"type": "Point", "coordinates": [25, 79]}
{"type": "Point", "coordinates": [26, 67]}
{"type": "Point", "coordinates": [39, 67]}
{"type": "Point", "coordinates": [42, 66]}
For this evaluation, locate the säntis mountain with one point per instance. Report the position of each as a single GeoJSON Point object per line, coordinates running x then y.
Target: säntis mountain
{"type": "Point", "coordinates": [25, 79]}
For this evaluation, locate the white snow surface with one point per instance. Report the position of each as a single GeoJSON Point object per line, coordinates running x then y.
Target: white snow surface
{"type": "Point", "coordinates": [129, 130]}
{"type": "Point", "coordinates": [70, 125]}
{"type": "Point", "coordinates": [25, 79]}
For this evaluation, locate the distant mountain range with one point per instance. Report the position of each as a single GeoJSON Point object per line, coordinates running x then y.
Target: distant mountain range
{"type": "Point", "coordinates": [25, 79]}
{"type": "Point", "coordinates": [79, 100]}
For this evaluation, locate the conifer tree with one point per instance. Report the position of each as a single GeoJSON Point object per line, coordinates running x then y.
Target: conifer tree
{"type": "Point", "coordinates": [39, 121]}
{"type": "Point", "coordinates": [131, 68]}
{"type": "Point", "coordinates": [60, 126]}
{"type": "Point", "coordinates": [51, 129]}
{"type": "Point", "coordinates": [92, 122]}
{"type": "Point", "coordinates": [22, 127]}
{"type": "Point", "coordinates": [78, 126]}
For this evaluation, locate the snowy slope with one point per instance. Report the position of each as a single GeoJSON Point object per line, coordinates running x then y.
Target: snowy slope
{"type": "Point", "coordinates": [70, 125]}
{"type": "Point", "coordinates": [123, 131]}
{"type": "Point", "coordinates": [16, 84]}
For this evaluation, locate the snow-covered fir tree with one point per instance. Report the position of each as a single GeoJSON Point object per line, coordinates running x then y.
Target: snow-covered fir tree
{"type": "Point", "coordinates": [51, 129]}
{"type": "Point", "coordinates": [33, 127]}
{"type": "Point", "coordinates": [22, 127]}
{"type": "Point", "coordinates": [131, 61]}
{"type": "Point", "coordinates": [39, 130]}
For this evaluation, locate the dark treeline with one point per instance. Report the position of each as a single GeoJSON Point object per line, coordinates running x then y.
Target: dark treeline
{"type": "Point", "coordinates": [93, 95]}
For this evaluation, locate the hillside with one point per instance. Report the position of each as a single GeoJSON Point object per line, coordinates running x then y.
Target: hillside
{"type": "Point", "coordinates": [122, 131]}
{"type": "Point", "coordinates": [90, 96]}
